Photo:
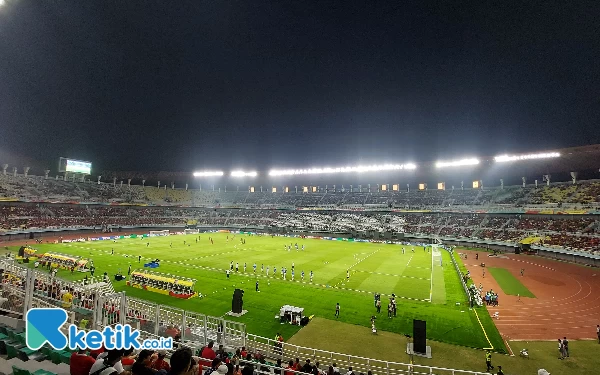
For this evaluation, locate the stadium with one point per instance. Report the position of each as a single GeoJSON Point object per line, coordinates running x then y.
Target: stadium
{"type": "Point", "coordinates": [490, 252]}
{"type": "Point", "coordinates": [270, 187]}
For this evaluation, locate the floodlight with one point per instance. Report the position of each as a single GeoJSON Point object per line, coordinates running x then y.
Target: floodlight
{"type": "Point", "coordinates": [205, 173]}
{"type": "Point", "coordinates": [243, 174]}
{"type": "Point", "coordinates": [357, 169]}
{"type": "Point", "coordinates": [542, 155]}
{"type": "Point", "coordinates": [457, 163]}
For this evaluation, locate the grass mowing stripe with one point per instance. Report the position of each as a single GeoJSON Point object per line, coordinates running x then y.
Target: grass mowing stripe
{"type": "Point", "coordinates": [509, 283]}
{"type": "Point", "coordinates": [329, 260]}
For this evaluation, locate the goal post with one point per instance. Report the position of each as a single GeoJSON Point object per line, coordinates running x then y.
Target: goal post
{"type": "Point", "coordinates": [154, 233]}
{"type": "Point", "coordinates": [191, 231]}
{"type": "Point", "coordinates": [436, 253]}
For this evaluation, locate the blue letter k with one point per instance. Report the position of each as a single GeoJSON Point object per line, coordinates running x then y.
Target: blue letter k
{"type": "Point", "coordinates": [43, 326]}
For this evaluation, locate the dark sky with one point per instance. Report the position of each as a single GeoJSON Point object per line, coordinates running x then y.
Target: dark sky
{"type": "Point", "coordinates": [182, 85]}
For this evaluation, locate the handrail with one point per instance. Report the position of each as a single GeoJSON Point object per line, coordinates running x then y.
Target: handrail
{"type": "Point", "coordinates": [361, 364]}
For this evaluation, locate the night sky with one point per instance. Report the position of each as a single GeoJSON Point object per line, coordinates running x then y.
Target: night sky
{"type": "Point", "coordinates": [189, 85]}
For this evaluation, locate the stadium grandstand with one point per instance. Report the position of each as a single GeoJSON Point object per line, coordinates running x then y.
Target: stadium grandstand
{"type": "Point", "coordinates": [542, 211]}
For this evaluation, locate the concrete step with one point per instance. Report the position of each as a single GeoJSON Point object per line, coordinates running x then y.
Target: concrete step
{"type": "Point", "coordinates": [60, 369]}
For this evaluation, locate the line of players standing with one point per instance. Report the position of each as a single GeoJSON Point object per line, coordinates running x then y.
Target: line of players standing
{"type": "Point", "coordinates": [262, 270]}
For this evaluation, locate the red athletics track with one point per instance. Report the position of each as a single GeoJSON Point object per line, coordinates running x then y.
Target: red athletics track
{"type": "Point", "coordinates": [567, 299]}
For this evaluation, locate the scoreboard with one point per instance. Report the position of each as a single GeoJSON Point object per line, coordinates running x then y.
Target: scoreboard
{"type": "Point", "coordinates": [74, 166]}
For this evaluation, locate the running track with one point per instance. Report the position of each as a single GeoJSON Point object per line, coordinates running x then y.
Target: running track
{"type": "Point", "coordinates": [567, 299]}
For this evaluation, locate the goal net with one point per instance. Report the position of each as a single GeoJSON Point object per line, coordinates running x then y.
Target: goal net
{"type": "Point", "coordinates": [191, 231]}
{"type": "Point", "coordinates": [154, 233]}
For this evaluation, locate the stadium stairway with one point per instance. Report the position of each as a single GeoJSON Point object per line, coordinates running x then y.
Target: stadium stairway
{"type": "Point", "coordinates": [104, 288]}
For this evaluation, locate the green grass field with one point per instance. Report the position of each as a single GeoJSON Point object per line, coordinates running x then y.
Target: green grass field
{"type": "Point", "coordinates": [509, 283]}
{"type": "Point", "coordinates": [426, 289]}
{"type": "Point", "coordinates": [385, 346]}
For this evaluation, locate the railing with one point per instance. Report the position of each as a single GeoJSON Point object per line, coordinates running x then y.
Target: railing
{"type": "Point", "coordinates": [460, 276]}
{"type": "Point", "coordinates": [94, 308]}
{"type": "Point", "coordinates": [273, 349]}
{"type": "Point", "coordinates": [40, 303]}
{"type": "Point", "coordinates": [12, 299]}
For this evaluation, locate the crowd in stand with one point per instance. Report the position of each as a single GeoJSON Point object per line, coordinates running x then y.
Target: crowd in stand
{"type": "Point", "coordinates": [36, 188]}
{"type": "Point", "coordinates": [579, 233]}
{"type": "Point", "coordinates": [183, 361]}
{"type": "Point", "coordinates": [54, 290]}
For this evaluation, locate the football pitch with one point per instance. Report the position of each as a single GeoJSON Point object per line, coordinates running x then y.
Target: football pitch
{"type": "Point", "coordinates": [425, 282]}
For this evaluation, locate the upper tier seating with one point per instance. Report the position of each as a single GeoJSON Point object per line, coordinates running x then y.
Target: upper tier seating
{"type": "Point", "coordinates": [36, 188]}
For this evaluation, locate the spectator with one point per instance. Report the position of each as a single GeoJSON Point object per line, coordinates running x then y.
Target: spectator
{"type": "Point", "coordinates": [316, 370]}
{"type": "Point", "coordinates": [216, 362]}
{"type": "Point", "coordinates": [171, 331]}
{"type": "Point", "coordinates": [128, 359]}
{"type": "Point", "coordinates": [183, 363]}
{"type": "Point", "coordinates": [307, 368]}
{"type": "Point", "coordinates": [208, 352]}
{"type": "Point", "coordinates": [118, 365]}
{"type": "Point", "coordinates": [222, 370]}
{"type": "Point", "coordinates": [290, 368]}
{"type": "Point", "coordinates": [160, 362]}
{"type": "Point", "coordinates": [278, 367]}
{"type": "Point", "coordinates": [144, 362]}
{"type": "Point", "coordinates": [80, 363]}
{"type": "Point", "coordinates": [95, 352]}
{"type": "Point", "coordinates": [221, 353]}
{"type": "Point", "coordinates": [109, 365]}
{"type": "Point", "coordinates": [235, 360]}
